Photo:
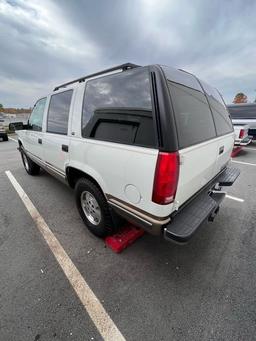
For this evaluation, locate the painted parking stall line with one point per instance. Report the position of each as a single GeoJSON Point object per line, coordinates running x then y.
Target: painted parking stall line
{"type": "Point", "coordinates": [250, 148]}
{"type": "Point", "coordinates": [245, 163]}
{"type": "Point", "coordinates": [10, 138]}
{"type": "Point", "coordinates": [234, 198]}
{"type": "Point", "coordinates": [94, 308]}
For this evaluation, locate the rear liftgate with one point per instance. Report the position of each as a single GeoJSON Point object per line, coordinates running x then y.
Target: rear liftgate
{"type": "Point", "coordinates": [204, 207]}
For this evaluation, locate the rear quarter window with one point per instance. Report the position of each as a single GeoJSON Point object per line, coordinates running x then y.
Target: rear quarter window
{"type": "Point", "coordinates": [118, 108]}
{"type": "Point", "coordinates": [192, 114]}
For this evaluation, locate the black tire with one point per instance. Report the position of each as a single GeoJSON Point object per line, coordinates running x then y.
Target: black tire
{"type": "Point", "coordinates": [11, 127]}
{"type": "Point", "coordinates": [105, 225]}
{"type": "Point", "coordinates": [5, 138]}
{"type": "Point", "coordinates": [30, 166]}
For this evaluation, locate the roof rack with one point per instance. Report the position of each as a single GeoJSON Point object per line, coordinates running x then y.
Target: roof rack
{"type": "Point", "coordinates": [122, 67]}
{"type": "Point", "coordinates": [186, 71]}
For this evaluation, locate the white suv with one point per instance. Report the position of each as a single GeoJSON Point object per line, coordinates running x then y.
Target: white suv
{"type": "Point", "coordinates": [150, 144]}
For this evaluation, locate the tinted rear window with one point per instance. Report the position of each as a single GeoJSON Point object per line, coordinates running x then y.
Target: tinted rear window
{"type": "Point", "coordinates": [192, 113]}
{"type": "Point", "coordinates": [245, 111]}
{"type": "Point", "coordinates": [118, 108]}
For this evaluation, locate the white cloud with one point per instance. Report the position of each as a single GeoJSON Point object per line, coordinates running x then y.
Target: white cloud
{"type": "Point", "coordinates": [47, 42]}
{"type": "Point", "coordinates": [43, 18]}
{"type": "Point", "coordinates": [38, 47]}
{"type": "Point", "coordinates": [21, 93]}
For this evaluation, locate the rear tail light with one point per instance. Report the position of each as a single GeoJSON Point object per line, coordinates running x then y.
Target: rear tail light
{"type": "Point", "coordinates": [166, 178]}
{"type": "Point", "coordinates": [242, 133]}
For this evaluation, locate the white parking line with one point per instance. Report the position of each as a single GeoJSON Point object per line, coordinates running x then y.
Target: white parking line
{"type": "Point", "coordinates": [94, 308]}
{"type": "Point", "coordinates": [244, 163]}
{"type": "Point", "coordinates": [248, 148]}
{"type": "Point", "coordinates": [234, 198]}
{"type": "Point", "coordinates": [12, 139]}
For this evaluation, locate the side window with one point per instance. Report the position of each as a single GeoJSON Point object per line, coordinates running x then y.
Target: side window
{"type": "Point", "coordinates": [118, 108]}
{"type": "Point", "coordinates": [193, 115]}
{"type": "Point", "coordinates": [36, 117]}
{"type": "Point", "coordinates": [220, 114]}
{"type": "Point", "coordinates": [58, 112]}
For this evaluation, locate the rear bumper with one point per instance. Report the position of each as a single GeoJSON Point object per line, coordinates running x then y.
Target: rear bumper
{"type": "Point", "coordinates": [149, 223]}
{"type": "Point", "coordinates": [244, 142]}
{"type": "Point", "coordinates": [203, 207]}
{"type": "Point", "coordinates": [181, 226]}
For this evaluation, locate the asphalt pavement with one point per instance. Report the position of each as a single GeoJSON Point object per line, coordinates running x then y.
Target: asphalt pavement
{"type": "Point", "coordinates": [154, 290]}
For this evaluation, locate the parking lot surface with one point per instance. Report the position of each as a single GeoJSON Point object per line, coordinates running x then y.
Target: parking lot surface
{"type": "Point", "coordinates": [154, 290]}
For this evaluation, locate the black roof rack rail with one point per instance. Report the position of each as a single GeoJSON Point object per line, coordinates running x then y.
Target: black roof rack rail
{"type": "Point", "coordinates": [186, 71]}
{"type": "Point", "coordinates": [122, 67]}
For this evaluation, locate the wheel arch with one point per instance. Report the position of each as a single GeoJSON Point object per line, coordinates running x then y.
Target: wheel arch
{"type": "Point", "coordinates": [74, 174]}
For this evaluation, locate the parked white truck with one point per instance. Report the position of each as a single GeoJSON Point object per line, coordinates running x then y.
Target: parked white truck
{"type": "Point", "coordinates": [244, 113]}
{"type": "Point", "coordinates": [151, 144]}
{"type": "Point", "coordinates": [241, 135]}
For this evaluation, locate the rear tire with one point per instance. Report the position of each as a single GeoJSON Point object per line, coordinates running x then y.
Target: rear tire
{"type": "Point", "coordinates": [93, 208]}
{"type": "Point", "coordinates": [5, 138]}
{"type": "Point", "coordinates": [30, 166]}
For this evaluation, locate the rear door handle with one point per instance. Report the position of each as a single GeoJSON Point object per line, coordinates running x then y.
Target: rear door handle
{"type": "Point", "coordinates": [40, 141]}
{"type": "Point", "coordinates": [64, 147]}
{"type": "Point", "coordinates": [221, 150]}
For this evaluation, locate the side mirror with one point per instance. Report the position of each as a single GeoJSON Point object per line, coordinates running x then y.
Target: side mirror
{"type": "Point", "coordinates": [17, 126]}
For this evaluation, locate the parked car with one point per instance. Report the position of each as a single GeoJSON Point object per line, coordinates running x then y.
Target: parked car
{"type": "Point", "coordinates": [244, 114]}
{"type": "Point", "coordinates": [3, 133]}
{"type": "Point", "coordinates": [151, 144]}
{"type": "Point", "coordinates": [241, 135]}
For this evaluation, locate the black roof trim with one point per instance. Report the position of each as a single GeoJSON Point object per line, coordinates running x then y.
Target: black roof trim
{"type": "Point", "coordinates": [122, 67]}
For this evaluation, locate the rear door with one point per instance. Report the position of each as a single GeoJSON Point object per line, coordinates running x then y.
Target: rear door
{"type": "Point", "coordinates": [196, 134]}
{"type": "Point", "coordinates": [205, 131]}
{"type": "Point", "coordinates": [56, 139]}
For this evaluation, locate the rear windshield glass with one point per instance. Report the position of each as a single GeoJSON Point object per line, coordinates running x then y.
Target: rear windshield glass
{"type": "Point", "coordinates": [192, 113]}
{"type": "Point", "coordinates": [245, 111]}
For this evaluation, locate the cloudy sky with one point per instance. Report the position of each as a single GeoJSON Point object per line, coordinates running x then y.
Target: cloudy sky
{"type": "Point", "coordinates": [43, 43]}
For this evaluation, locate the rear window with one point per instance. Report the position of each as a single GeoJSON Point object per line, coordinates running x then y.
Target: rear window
{"type": "Point", "coordinates": [192, 113]}
{"type": "Point", "coordinates": [220, 113]}
{"type": "Point", "coordinates": [245, 111]}
{"type": "Point", "coordinates": [118, 108]}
